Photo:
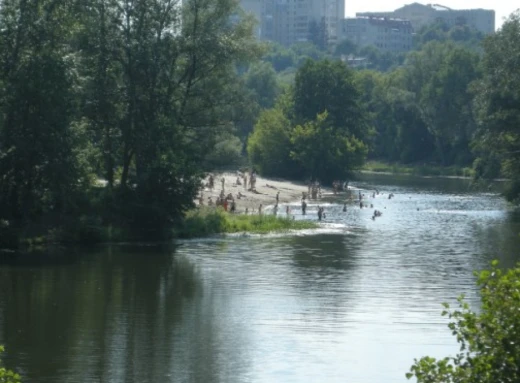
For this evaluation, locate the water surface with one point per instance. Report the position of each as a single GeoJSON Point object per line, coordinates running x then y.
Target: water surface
{"type": "Point", "coordinates": [355, 301]}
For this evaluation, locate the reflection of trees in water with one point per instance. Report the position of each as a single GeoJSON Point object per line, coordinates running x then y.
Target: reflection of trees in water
{"type": "Point", "coordinates": [110, 316]}
{"type": "Point", "coordinates": [500, 240]}
{"type": "Point", "coordinates": [324, 267]}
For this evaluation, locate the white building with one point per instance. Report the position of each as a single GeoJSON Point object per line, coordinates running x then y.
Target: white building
{"type": "Point", "coordinates": [289, 21]}
{"type": "Point", "coordinates": [420, 15]}
{"type": "Point", "coordinates": [388, 35]}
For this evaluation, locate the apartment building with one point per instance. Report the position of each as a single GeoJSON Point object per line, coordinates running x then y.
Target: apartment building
{"type": "Point", "coordinates": [289, 21]}
{"type": "Point", "coordinates": [420, 15]}
{"type": "Point", "coordinates": [389, 35]}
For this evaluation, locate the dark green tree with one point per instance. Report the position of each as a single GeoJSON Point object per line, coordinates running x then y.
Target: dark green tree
{"type": "Point", "coordinates": [39, 171]}
{"type": "Point", "coordinates": [329, 86]}
{"type": "Point", "coordinates": [497, 106]}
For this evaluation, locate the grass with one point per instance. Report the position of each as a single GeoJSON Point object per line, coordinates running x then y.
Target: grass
{"type": "Point", "coordinates": [207, 221]}
{"type": "Point", "coordinates": [418, 169]}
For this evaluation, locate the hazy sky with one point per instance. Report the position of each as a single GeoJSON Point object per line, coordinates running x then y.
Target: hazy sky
{"type": "Point", "coordinates": [503, 8]}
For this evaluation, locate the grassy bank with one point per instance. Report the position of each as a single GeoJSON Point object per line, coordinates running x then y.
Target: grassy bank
{"type": "Point", "coordinates": [197, 223]}
{"type": "Point", "coordinates": [418, 169]}
{"type": "Point", "coordinates": [207, 221]}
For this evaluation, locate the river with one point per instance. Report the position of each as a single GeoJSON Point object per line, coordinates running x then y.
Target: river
{"type": "Point", "coordinates": [354, 301]}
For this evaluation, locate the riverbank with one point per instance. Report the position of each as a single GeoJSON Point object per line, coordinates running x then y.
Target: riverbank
{"type": "Point", "coordinates": [425, 170]}
{"type": "Point", "coordinates": [265, 192]}
{"type": "Point", "coordinates": [90, 229]}
{"type": "Point", "coordinates": [206, 221]}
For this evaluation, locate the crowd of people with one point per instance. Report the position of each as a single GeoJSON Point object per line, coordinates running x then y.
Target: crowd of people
{"type": "Point", "coordinates": [247, 180]}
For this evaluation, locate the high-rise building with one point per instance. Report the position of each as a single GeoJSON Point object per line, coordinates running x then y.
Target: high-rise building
{"type": "Point", "coordinates": [420, 15]}
{"type": "Point", "coordinates": [291, 21]}
{"type": "Point", "coordinates": [390, 35]}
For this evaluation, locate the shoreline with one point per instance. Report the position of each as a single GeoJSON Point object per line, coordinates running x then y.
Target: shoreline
{"type": "Point", "coordinates": [266, 191]}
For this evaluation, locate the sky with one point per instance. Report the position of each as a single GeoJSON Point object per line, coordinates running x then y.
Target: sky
{"type": "Point", "coordinates": [503, 8]}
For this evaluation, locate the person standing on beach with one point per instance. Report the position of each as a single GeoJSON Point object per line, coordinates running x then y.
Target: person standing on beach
{"type": "Point", "coordinates": [277, 197]}
{"type": "Point", "coordinates": [304, 206]}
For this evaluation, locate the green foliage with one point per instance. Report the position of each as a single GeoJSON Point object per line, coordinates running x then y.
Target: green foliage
{"type": "Point", "coordinates": [202, 222]}
{"type": "Point", "coordinates": [325, 152]}
{"type": "Point", "coordinates": [461, 34]}
{"type": "Point", "coordinates": [345, 47]}
{"type": "Point", "coordinates": [8, 376]}
{"type": "Point", "coordinates": [280, 57]}
{"type": "Point", "coordinates": [227, 152]}
{"type": "Point", "coordinates": [261, 80]}
{"type": "Point", "coordinates": [417, 169]}
{"type": "Point", "coordinates": [318, 129]}
{"type": "Point", "coordinates": [269, 145]}
{"type": "Point", "coordinates": [489, 347]}
{"type": "Point", "coordinates": [142, 86]}
{"type": "Point", "coordinates": [498, 115]}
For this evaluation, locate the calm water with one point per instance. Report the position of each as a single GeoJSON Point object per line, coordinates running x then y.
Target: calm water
{"type": "Point", "coordinates": [355, 301]}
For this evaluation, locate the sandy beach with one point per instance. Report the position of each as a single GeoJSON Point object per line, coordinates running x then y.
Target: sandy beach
{"type": "Point", "coordinates": [266, 190]}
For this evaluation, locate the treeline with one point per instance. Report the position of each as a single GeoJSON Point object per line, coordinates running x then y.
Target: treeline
{"type": "Point", "coordinates": [128, 94]}
{"type": "Point", "coordinates": [111, 112]}
{"type": "Point", "coordinates": [453, 101]}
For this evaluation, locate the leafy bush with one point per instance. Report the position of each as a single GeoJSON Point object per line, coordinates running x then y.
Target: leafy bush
{"type": "Point", "coordinates": [8, 376]}
{"type": "Point", "coordinates": [489, 340]}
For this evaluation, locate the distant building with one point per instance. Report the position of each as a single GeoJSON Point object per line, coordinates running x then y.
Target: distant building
{"type": "Point", "coordinates": [290, 21]}
{"type": "Point", "coordinates": [389, 35]}
{"type": "Point", "coordinates": [420, 15]}
{"type": "Point", "coordinates": [355, 62]}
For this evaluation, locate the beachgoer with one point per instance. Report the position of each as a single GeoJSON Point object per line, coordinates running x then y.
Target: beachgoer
{"type": "Point", "coordinates": [277, 197]}
{"type": "Point", "coordinates": [320, 213]}
{"type": "Point", "coordinates": [260, 209]}
{"type": "Point", "coordinates": [304, 206]}
{"type": "Point", "coordinates": [345, 207]}
{"type": "Point", "coordinates": [233, 206]}
{"type": "Point", "coordinates": [287, 210]}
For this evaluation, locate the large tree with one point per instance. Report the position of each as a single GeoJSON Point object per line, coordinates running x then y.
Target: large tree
{"type": "Point", "coordinates": [319, 128]}
{"type": "Point", "coordinates": [38, 168]}
{"type": "Point", "coordinates": [498, 106]}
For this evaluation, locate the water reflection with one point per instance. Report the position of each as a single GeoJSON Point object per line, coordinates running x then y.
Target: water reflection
{"type": "Point", "coordinates": [297, 308]}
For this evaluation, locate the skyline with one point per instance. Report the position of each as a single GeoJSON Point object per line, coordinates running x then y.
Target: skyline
{"type": "Point", "coordinates": [502, 8]}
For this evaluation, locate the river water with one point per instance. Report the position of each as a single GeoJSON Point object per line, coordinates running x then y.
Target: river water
{"type": "Point", "coordinates": [354, 301]}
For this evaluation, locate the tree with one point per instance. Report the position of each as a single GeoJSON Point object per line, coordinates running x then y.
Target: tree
{"type": "Point", "coordinates": [270, 144]}
{"type": "Point", "coordinates": [345, 47]}
{"type": "Point", "coordinates": [317, 129]}
{"type": "Point", "coordinates": [329, 86]}
{"type": "Point", "coordinates": [7, 376]}
{"type": "Point", "coordinates": [440, 75]}
{"type": "Point", "coordinates": [318, 34]}
{"type": "Point", "coordinates": [261, 79]}
{"type": "Point", "coordinates": [497, 108]}
{"type": "Point", "coordinates": [489, 347]}
{"type": "Point", "coordinates": [324, 152]}
{"type": "Point", "coordinates": [39, 172]}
